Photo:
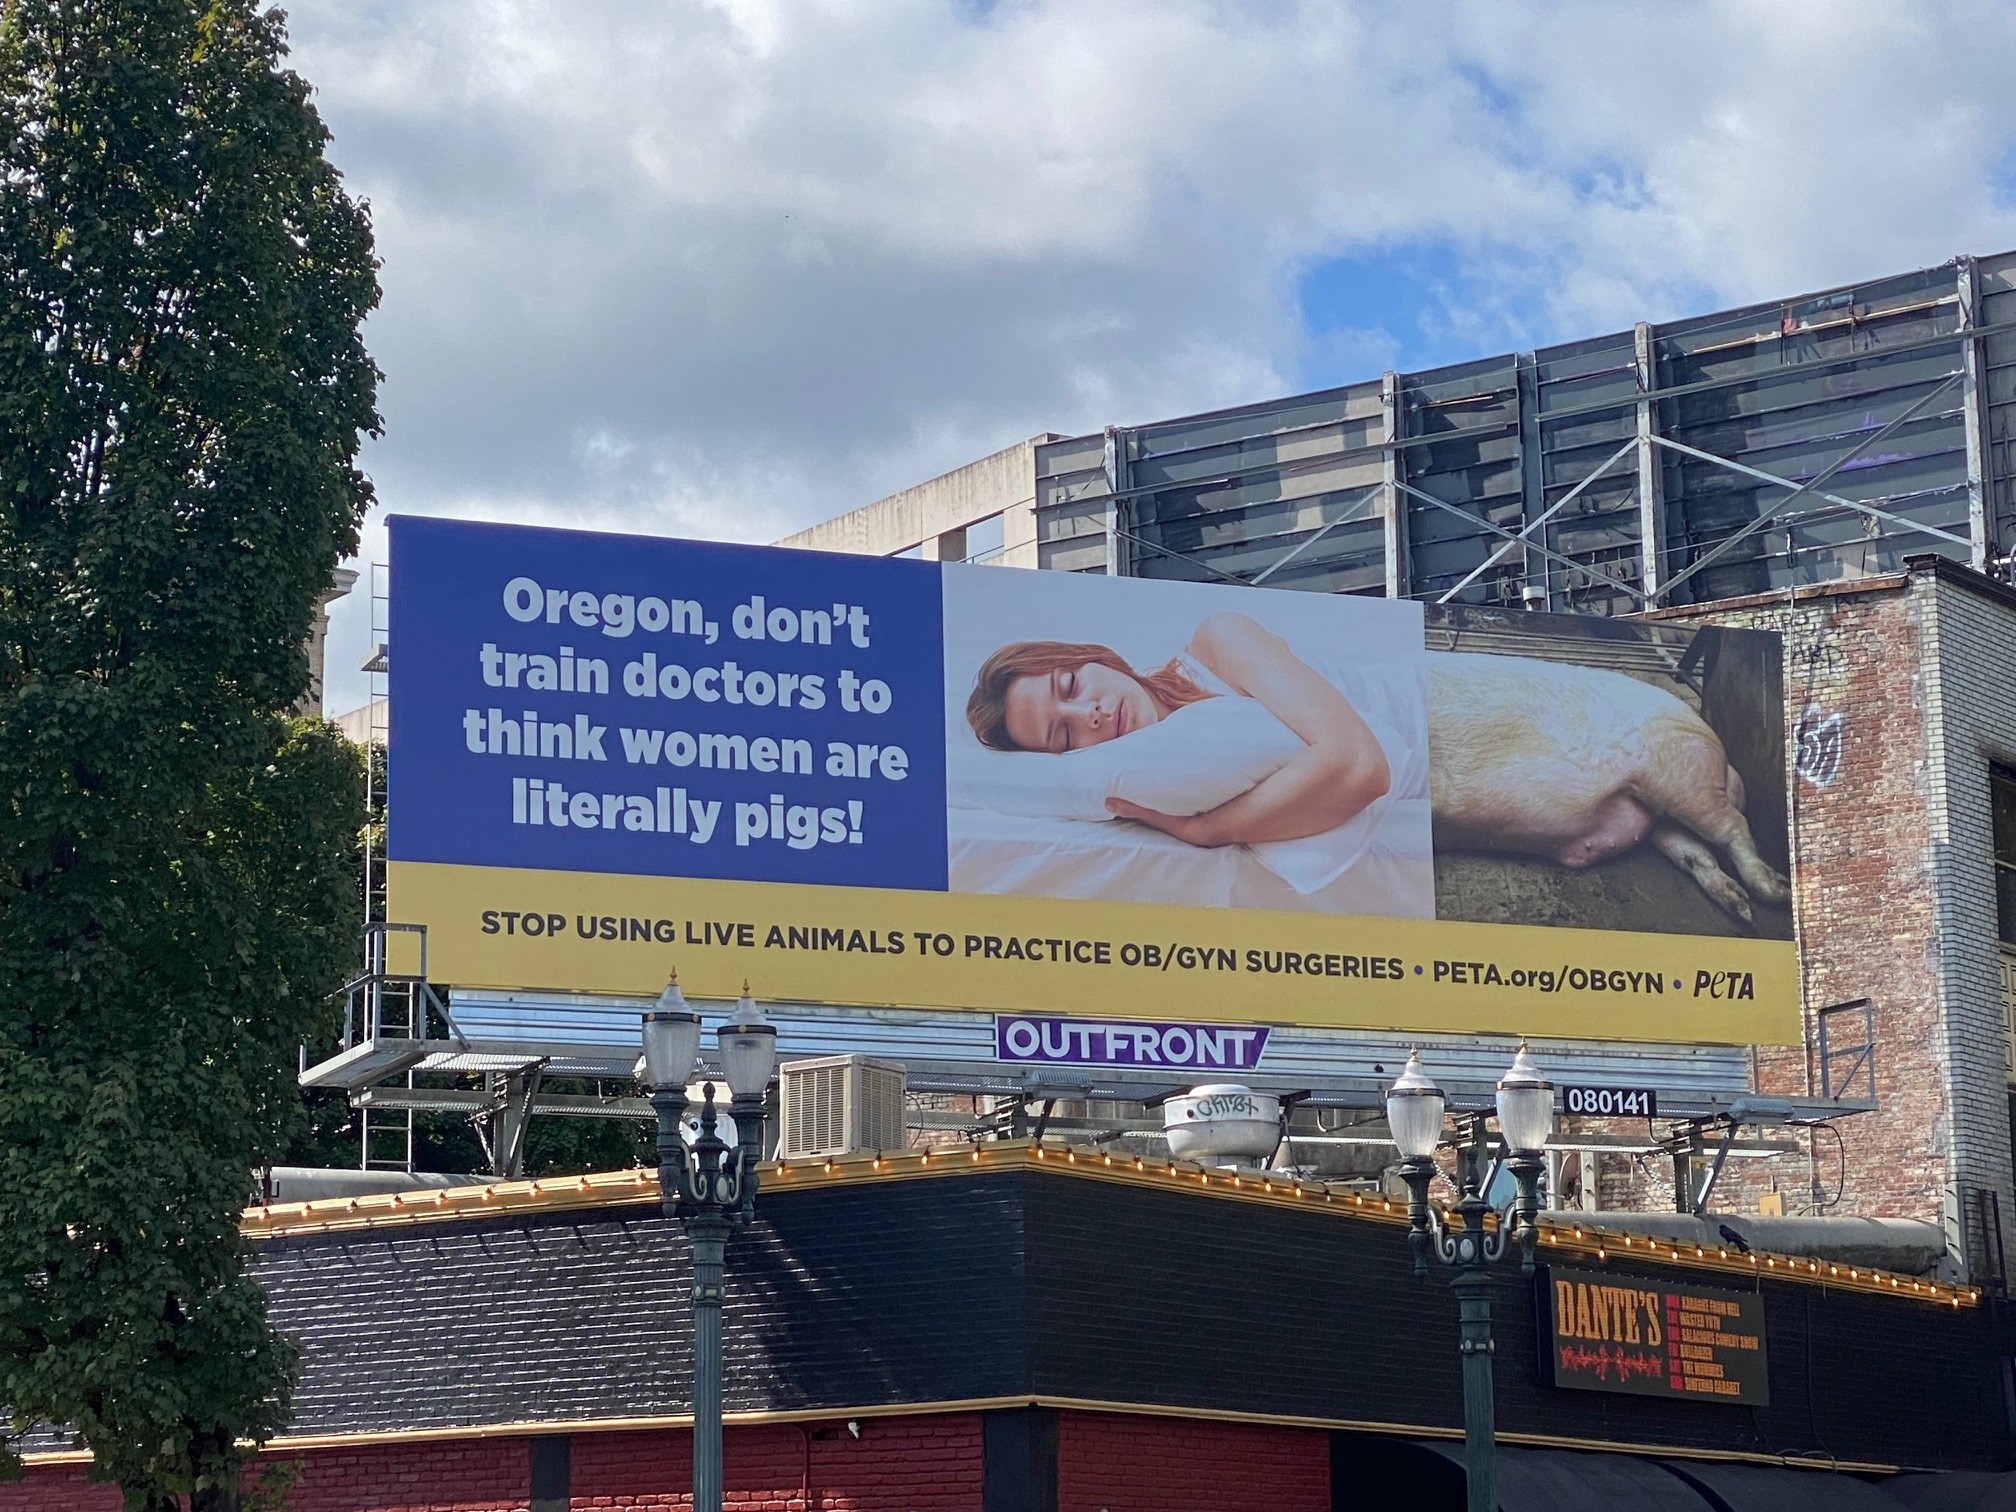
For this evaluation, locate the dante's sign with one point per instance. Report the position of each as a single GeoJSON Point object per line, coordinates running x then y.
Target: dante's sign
{"type": "Point", "coordinates": [1653, 1338]}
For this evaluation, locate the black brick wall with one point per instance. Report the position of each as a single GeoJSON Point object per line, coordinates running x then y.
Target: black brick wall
{"type": "Point", "coordinates": [1178, 1299]}
{"type": "Point", "coordinates": [1029, 1283]}
{"type": "Point", "coordinates": [845, 1297]}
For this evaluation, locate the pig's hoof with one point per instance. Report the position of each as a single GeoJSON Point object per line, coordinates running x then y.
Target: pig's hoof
{"type": "Point", "coordinates": [1770, 885]}
{"type": "Point", "coordinates": [1728, 893]}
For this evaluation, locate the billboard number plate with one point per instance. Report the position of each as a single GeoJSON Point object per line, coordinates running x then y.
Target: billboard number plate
{"type": "Point", "coordinates": [1614, 1102]}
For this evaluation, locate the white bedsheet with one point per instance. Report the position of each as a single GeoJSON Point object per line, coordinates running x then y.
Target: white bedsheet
{"type": "Point", "coordinates": [1071, 858]}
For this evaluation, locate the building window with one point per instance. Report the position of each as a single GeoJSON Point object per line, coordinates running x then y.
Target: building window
{"type": "Point", "coordinates": [987, 539]}
{"type": "Point", "coordinates": [2002, 797]}
{"type": "Point", "coordinates": [2002, 805]}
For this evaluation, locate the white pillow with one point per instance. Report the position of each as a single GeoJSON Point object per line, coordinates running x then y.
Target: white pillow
{"type": "Point", "coordinates": [1192, 759]}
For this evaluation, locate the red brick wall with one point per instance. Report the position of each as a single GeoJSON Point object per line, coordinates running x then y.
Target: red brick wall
{"type": "Point", "coordinates": [457, 1475]}
{"type": "Point", "coordinates": [921, 1464]}
{"type": "Point", "coordinates": [58, 1488]}
{"type": "Point", "coordinates": [1866, 912]}
{"type": "Point", "coordinates": [1108, 1462]}
{"type": "Point", "coordinates": [1105, 1463]}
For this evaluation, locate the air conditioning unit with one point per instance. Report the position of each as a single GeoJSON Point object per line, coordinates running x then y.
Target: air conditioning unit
{"type": "Point", "coordinates": [839, 1104]}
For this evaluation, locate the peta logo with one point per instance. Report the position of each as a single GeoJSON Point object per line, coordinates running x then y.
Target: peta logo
{"type": "Point", "coordinates": [1728, 986]}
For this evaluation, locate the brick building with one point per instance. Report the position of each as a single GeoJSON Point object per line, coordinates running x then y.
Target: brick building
{"type": "Point", "coordinates": [1000, 1334]}
{"type": "Point", "coordinates": [1902, 718]}
{"type": "Point", "coordinates": [1029, 1329]}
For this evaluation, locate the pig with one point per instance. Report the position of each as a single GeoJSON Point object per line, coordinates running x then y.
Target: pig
{"type": "Point", "coordinates": [1578, 764]}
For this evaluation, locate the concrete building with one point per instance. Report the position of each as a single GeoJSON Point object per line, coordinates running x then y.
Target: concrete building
{"type": "Point", "coordinates": [984, 511]}
{"type": "Point", "coordinates": [318, 641]}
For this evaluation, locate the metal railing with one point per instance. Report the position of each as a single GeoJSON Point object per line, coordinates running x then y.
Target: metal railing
{"type": "Point", "coordinates": [385, 1003]}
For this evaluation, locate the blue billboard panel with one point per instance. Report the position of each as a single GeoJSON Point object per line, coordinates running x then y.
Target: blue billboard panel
{"type": "Point", "coordinates": [595, 703]}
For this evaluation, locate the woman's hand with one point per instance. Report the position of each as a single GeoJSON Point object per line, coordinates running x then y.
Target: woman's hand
{"type": "Point", "coordinates": [1342, 771]}
{"type": "Point", "coordinates": [1192, 829]}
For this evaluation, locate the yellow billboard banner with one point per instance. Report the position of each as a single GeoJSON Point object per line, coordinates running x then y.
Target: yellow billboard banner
{"type": "Point", "coordinates": [598, 932]}
{"type": "Point", "coordinates": [869, 781]}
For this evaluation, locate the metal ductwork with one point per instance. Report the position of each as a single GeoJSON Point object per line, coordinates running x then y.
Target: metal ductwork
{"type": "Point", "coordinates": [1898, 1244]}
{"type": "Point", "coordinates": [312, 1183]}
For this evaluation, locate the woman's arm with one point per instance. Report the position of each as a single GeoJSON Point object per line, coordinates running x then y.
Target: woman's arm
{"type": "Point", "coordinates": [1342, 771]}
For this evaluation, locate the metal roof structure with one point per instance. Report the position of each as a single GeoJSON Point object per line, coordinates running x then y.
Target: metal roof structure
{"type": "Point", "coordinates": [1811, 439]}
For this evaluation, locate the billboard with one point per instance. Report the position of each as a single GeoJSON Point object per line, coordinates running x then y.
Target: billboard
{"type": "Point", "coordinates": [887, 782]}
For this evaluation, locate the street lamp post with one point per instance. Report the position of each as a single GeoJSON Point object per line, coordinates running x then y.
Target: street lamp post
{"type": "Point", "coordinates": [708, 1183]}
{"type": "Point", "coordinates": [1414, 1112]}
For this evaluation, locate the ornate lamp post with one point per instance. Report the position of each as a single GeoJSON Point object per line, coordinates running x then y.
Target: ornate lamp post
{"type": "Point", "coordinates": [708, 1183]}
{"type": "Point", "coordinates": [1414, 1111]}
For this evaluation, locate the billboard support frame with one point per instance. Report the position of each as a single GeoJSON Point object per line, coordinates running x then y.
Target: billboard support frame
{"type": "Point", "coordinates": [556, 850]}
{"type": "Point", "coordinates": [1521, 537]}
{"type": "Point", "coordinates": [1810, 486]}
{"type": "Point", "coordinates": [1350, 516]}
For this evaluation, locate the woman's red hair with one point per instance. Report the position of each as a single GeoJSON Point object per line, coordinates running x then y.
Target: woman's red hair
{"type": "Point", "coordinates": [987, 705]}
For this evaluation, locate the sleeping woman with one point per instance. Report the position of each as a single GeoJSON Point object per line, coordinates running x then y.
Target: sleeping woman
{"type": "Point", "coordinates": [1570, 763]}
{"type": "Point", "coordinates": [1060, 696]}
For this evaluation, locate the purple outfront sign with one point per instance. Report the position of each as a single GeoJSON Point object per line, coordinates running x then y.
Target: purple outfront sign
{"type": "Point", "coordinates": [1125, 1042]}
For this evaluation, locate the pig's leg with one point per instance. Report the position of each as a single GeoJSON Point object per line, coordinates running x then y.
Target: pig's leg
{"type": "Point", "coordinates": [1763, 879]}
{"type": "Point", "coordinates": [1619, 823]}
{"type": "Point", "coordinates": [1694, 858]}
{"type": "Point", "coordinates": [1692, 781]}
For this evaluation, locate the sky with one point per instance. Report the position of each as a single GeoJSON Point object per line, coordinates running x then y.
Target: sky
{"type": "Point", "coordinates": [726, 268]}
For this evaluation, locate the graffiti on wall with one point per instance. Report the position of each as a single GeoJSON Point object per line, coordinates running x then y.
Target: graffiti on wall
{"type": "Point", "coordinates": [1817, 741]}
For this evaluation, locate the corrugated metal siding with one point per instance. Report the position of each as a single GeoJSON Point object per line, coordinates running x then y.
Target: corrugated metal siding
{"type": "Point", "coordinates": [1293, 492]}
{"type": "Point", "coordinates": [931, 1042]}
{"type": "Point", "coordinates": [1788, 389]}
{"type": "Point", "coordinates": [1997, 280]}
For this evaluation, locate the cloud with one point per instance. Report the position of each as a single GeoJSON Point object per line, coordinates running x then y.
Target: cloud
{"type": "Point", "coordinates": [727, 269]}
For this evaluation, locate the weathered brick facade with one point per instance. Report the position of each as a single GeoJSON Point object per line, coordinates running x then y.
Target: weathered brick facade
{"type": "Point", "coordinates": [1137, 1464]}
{"type": "Point", "coordinates": [911, 1464]}
{"type": "Point", "coordinates": [1899, 694]}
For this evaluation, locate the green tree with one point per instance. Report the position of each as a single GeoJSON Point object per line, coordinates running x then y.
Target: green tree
{"type": "Point", "coordinates": [183, 389]}
{"type": "Point", "coordinates": [572, 1146]}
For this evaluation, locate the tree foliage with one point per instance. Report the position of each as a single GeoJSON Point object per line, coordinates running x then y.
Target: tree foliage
{"type": "Point", "coordinates": [183, 388]}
